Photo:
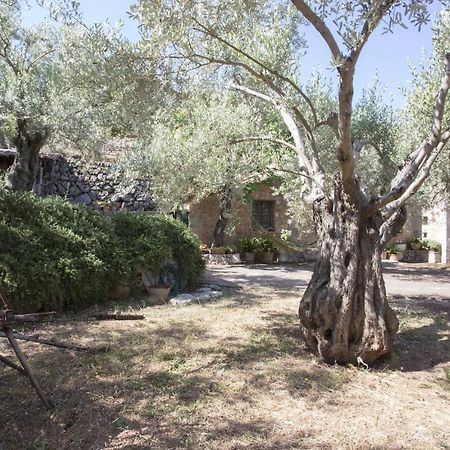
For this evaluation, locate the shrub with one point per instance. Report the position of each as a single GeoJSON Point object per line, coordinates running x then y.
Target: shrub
{"type": "Point", "coordinates": [55, 255]}
{"type": "Point", "coordinates": [149, 241]}
{"type": "Point", "coordinates": [392, 250]}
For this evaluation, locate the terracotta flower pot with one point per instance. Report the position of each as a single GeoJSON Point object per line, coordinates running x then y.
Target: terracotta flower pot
{"type": "Point", "coordinates": [217, 251]}
{"type": "Point", "coordinates": [249, 257]}
{"type": "Point", "coordinates": [158, 294]}
{"type": "Point", "coordinates": [267, 258]}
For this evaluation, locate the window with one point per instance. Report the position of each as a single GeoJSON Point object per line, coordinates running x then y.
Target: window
{"type": "Point", "coordinates": [264, 213]}
{"type": "Point", "coordinates": [425, 220]}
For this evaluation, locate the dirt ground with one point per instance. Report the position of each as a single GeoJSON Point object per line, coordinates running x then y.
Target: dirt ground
{"type": "Point", "coordinates": [232, 374]}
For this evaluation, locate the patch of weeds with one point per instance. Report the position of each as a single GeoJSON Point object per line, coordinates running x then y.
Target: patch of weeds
{"type": "Point", "coordinates": [264, 345]}
{"type": "Point", "coordinates": [155, 407]}
{"type": "Point", "coordinates": [121, 423]}
{"type": "Point", "coordinates": [197, 388]}
{"type": "Point", "coordinates": [319, 380]}
{"type": "Point", "coordinates": [40, 445]}
{"type": "Point", "coordinates": [174, 359]}
{"type": "Point", "coordinates": [161, 380]}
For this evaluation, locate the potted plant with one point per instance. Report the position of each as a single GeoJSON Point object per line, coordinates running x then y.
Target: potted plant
{"type": "Point", "coordinates": [157, 288]}
{"type": "Point", "coordinates": [249, 246]}
{"type": "Point", "coordinates": [434, 252]}
{"type": "Point", "coordinates": [394, 253]}
{"type": "Point", "coordinates": [217, 250]}
{"type": "Point", "coordinates": [268, 249]}
{"type": "Point", "coordinates": [416, 243]}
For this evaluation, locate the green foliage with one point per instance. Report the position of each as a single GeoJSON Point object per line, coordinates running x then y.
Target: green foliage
{"type": "Point", "coordinates": [266, 245]}
{"type": "Point", "coordinates": [392, 250]}
{"type": "Point", "coordinates": [426, 244]}
{"type": "Point", "coordinates": [255, 244]}
{"type": "Point", "coordinates": [248, 245]}
{"type": "Point", "coordinates": [54, 255]}
{"type": "Point", "coordinates": [429, 244]}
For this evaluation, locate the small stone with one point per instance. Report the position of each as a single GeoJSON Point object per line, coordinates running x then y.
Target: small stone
{"type": "Point", "coordinates": [182, 299]}
{"type": "Point", "coordinates": [202, 296]}
{"type": "Point", "coordinates": [212, 287]}
{"type": "Point", "coordinates": [83, 198]}
{"type": "Point", "coordinates": [204, 289]}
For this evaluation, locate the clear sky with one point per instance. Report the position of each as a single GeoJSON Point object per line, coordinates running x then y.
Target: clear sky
{"type": "Point", "coordinates": [389, 55]}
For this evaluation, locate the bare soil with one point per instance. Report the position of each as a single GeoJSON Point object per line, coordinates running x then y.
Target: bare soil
{"type": "Point", "coordinates": [230, 375]}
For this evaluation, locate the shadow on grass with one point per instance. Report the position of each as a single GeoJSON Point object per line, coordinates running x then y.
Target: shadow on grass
{"type": "Point", "coordinates": [424, 343]}
{"type": "Point", "coordinates": [144, 381]}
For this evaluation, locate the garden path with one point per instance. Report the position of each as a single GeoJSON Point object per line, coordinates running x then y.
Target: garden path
{"type": "Point", "coordinates": [401, 279]}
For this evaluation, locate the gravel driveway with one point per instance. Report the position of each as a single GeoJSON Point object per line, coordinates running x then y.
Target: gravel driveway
{"type": "Point", "coordinates": [401, 279]}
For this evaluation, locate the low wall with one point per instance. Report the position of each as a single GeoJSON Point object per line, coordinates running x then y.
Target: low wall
{"type": "Point", "coordinates": [97, 184]}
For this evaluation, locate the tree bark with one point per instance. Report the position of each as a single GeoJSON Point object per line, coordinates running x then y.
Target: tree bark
{"type": "Point", "coordinates": [223, 219]}
{"type": "Point", "coordinates": [22, 174]}
{"type": "Point", "coordinates": [344, 313]}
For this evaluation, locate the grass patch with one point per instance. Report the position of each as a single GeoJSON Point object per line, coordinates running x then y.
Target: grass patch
{"type": "Point", "coordinates": [227, 375]}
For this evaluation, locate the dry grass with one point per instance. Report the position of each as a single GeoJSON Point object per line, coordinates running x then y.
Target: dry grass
{"type": "Point", "coordinates": [229, 375]}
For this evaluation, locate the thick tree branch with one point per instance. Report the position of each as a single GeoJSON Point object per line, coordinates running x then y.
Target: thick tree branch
{"type": "Point", "coordinates": [267, 139]}
{"type": "Point", "coordinates": [419, 180]}
{"type": "Point", "coordinates": [320, 26]}
{"type": "Point", "coordinates": [289, 122]}
{"type": "Point", "coordinates": [374, 18]}
{"type": "Point", "coordinates": [414, 162]}
{"type": "Point", "coordinates": [293, 128]}
{"type": "Point", "coordinates": [205, 30]}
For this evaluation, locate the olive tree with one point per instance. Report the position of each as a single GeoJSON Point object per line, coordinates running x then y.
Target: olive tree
{"type": "Point", "coordinates": [198, 149]}
{"type": "Point", "coordinates": [65, 84]}
{"type": "Point", "coordinates": [255, 47]}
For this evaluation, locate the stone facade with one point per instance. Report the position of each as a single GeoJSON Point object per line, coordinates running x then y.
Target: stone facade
{"type": "Point", "coordinates": [436, 226]}
{"type": "Point", "coordinates": [203, 216]}
{"type": "Point", "coordinates": [412, 227]}
{"type": "Point", "coordinates": [95, 184]}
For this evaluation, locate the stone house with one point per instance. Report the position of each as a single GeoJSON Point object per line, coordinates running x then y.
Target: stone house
{"type": "Point", "coordinates": [101, 186]}
{"type": "Point", "coordinates": [263, 207]}
{"type": "Point", "coordinates": [436, 226]}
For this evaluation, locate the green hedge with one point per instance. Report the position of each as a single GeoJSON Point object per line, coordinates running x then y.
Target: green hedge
{"type": "Point", "coordinates": [59, 256]}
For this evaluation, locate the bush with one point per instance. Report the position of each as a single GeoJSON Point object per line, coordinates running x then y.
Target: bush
{"type": "Point", "coordinates": [149, 241]}
{"type": "Point", "coordinates": [55, 255]}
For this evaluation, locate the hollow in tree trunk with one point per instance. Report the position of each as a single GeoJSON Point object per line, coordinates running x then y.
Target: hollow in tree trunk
{"type": "Point", "coordinates": [22, 174]}
{"type": "Point", "coordinates": [344, 313]}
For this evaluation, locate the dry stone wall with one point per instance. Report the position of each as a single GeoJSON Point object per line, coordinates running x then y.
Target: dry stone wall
{"type": "Point", "coordinates": [97, 184]}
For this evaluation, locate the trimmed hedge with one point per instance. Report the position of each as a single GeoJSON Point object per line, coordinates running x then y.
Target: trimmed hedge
{"type": "Point", "coordinates": [58, 256]}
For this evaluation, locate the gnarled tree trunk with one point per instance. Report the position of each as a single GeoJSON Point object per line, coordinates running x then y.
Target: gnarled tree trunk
{"type": "Point", "coordinates": [22, 174]}
{"type": "Point", "coordinates": [223, 219]}
{"type": "Point", "coordinates": [344, 313]}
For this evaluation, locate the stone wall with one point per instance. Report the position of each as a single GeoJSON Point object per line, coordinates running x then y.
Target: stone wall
{"type": "Point", "coordinates": [436, 226]}
{"type": "Point", "coordinates": [203, 217]}
{"type": "Point", "coordinates": [96, 184]}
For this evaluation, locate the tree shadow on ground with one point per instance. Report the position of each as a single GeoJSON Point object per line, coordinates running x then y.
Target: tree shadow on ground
{"type": "Point", "coordinates": [424, 346]}
{"type": "Point", "coordinates": [116, 397]}
{"type": "Point", "coordinates": [268, 275]}
{"type": "Point", "coordinates": [412, 272]}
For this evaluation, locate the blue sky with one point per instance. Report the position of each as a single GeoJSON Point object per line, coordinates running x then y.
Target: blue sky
{"type": "Point", "coordinates": [387, 55]}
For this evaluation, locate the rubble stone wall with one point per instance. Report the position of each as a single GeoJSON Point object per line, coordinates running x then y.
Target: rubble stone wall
{"type": "Point", "coordinates": [96, 184]}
